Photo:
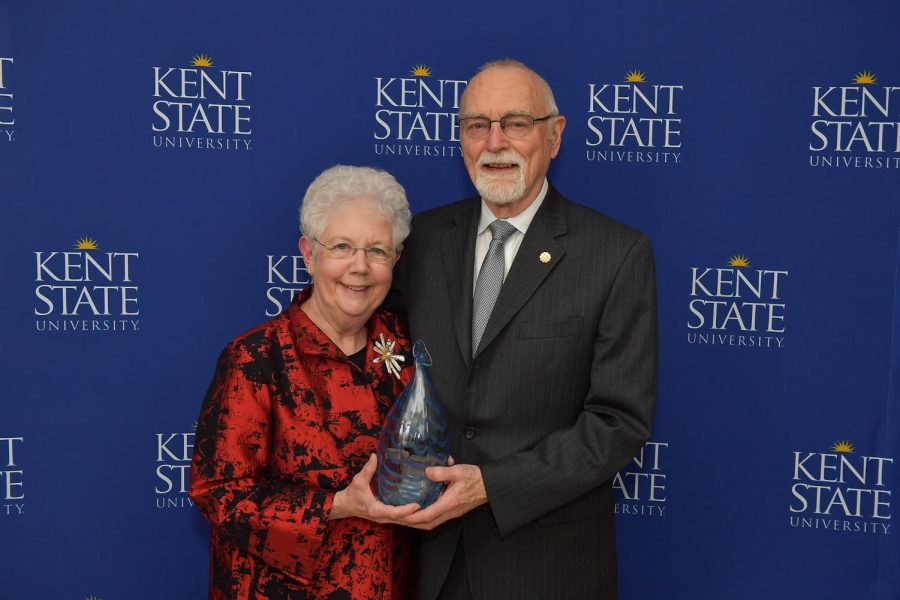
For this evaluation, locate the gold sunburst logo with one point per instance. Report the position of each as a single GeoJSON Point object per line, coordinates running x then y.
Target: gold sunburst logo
{"type": "Point", "coordinates": [738, 260]}
{"type": "Point", "coordinates": [635, 76]}
{"type": "Point", "coordinates": [420, 71]}
{"type": "Point", "coordinates": [202, 60]}
{"type": "Point", "coordinates": [86, 243]}
{"type": "Point", "coordinates": [865, 77]}
{"type": "Point", "coordinates": [843, 446]}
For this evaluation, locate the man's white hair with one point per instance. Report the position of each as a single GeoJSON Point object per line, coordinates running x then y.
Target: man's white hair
{"type": "Point", "coordinates": [510, 63]}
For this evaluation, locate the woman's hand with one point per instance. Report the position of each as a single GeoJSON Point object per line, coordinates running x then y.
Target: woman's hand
{"type": "Point", "coordinates": [357, 500]}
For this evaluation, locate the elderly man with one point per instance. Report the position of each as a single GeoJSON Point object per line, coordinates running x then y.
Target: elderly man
{"type": "Point", "coordinates": [540, 315]}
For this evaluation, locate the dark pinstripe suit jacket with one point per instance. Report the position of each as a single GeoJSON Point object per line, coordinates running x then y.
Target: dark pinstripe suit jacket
{"type": "Point", "coordinates": [558, 397]}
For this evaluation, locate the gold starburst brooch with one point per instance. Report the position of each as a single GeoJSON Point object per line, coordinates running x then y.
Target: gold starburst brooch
{"type": "Point", "coordinates": [385, 350]}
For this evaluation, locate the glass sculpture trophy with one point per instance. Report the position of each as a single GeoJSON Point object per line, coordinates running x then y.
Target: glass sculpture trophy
{"type": "Point", "coordinates": [414, 437]}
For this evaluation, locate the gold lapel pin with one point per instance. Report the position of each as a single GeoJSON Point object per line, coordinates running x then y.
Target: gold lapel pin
{"type": "Point", "coordinates": [544, 257]}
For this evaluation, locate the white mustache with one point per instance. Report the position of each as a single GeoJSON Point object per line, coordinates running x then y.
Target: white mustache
{"type": "Point", "coordinates": [506, 157]}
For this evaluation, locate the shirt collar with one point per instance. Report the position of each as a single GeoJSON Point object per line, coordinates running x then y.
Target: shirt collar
{"type": "Point", "coordinates": [521, 221]}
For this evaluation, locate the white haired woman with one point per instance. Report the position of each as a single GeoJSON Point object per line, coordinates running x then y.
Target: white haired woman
{"type": "Point", "coordinates": [295, 410]}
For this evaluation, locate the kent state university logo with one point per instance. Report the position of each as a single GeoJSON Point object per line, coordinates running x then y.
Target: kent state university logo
{"type": "Point", "coordinates": [12, 476]}
{"type": "Point", "coordinates": [641, 486]}
{"type": "Point", "coordinates": [737, 305]}
{"type": "Point", "coordinates": [633, 121]}
{"type": "Point", "coordinates": [7, 119]}
{"type": "Point", "coordinates": [173, 469]}
{"type": "Point", "coordinates": [415, 115]}
{"type": "Point", "coordinates": [86, 290]}
{"type": "Point", "coordinates": [855, 126]}
{"type": "Point", "coordinates": [841, 491]}
{"type": "Point", "coordinates": [201, 107]}
{"type": "Point", "coordinates": [286, 276]}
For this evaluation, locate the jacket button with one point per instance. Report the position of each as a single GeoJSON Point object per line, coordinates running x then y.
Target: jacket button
{"type": "Point", "coordinates": [469, 432]}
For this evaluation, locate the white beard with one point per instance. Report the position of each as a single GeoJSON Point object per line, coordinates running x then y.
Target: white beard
{"type": "Point", "coordinates": [501, 189]}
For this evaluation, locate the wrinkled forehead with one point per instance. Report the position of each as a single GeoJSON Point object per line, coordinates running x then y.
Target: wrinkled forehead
{"type": "Point", "coordinates": [502, 90]}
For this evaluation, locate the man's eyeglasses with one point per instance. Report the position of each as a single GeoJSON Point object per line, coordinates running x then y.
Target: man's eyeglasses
{"type": "Point", "coordinates": [342, 250]}
{"type": "Point", "coordinates": [514, 125]}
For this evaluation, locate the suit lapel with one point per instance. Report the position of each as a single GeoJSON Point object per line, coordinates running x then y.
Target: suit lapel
{"type": "Point", "coordinates": [458, 250]}
{"type": "Point", "coordinates": [528, 269]}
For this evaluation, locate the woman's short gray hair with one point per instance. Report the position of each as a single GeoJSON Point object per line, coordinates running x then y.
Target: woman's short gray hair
{"type": "Point", "coordinates": [343, 182]}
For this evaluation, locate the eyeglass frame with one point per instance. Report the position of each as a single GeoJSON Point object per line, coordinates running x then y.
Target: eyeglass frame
{"type": "Point", "coordinates": [390, 252]}
{"type": "Point", "coordinates": [534, 121]}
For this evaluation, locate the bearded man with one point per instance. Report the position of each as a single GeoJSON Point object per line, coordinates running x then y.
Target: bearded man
{"type": "Point", "coordinates": [540, 315]}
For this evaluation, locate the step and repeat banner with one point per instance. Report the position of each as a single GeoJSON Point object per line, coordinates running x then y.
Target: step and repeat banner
{"type": "Point", "coordinates": [152, 158]}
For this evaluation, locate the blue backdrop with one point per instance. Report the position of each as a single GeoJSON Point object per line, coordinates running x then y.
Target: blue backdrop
{"type": "Point", "coordinates": [153, 156]}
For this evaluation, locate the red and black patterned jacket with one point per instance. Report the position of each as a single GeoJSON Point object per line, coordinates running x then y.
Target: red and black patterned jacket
{"type": "Point", "coordinates": [286, 423]}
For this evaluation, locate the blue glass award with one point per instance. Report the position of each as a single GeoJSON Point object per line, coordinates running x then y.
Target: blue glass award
{"type": "Point", "coordinates": [414, 437]}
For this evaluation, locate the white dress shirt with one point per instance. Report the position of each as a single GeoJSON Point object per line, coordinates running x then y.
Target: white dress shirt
{"type": "Point", "coordinates": [511, 246]}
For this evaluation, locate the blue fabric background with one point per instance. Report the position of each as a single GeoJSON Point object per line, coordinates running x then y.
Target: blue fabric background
{"type": "Point", "coordinates": [97, 420]}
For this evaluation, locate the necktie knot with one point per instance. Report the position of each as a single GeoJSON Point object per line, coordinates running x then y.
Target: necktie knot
{"type": "Point", "coordinates": [500, 230]}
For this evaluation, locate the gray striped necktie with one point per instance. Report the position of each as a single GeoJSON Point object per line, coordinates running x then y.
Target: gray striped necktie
{"type": "Point", "coordinates": [490, 280]}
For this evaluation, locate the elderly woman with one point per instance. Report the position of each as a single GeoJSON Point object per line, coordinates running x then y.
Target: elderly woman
{"type": "Point", "coordinates": [295, 410]}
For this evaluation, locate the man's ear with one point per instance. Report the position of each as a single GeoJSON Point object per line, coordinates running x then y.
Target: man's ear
{"type": "Point", "coordinates": [556, 129]}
